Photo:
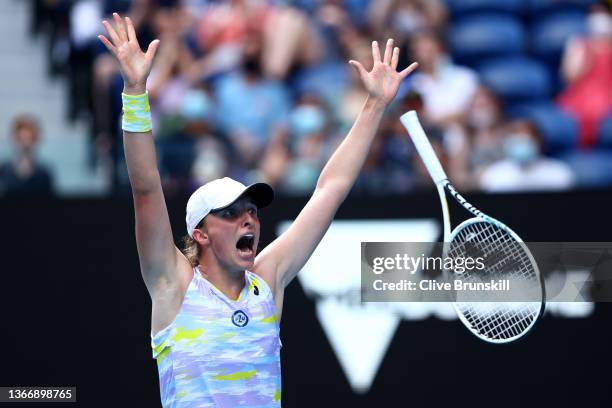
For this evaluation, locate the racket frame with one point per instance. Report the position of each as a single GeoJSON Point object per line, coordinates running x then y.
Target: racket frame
{"type": "Point", "coordinates": [425, 150]}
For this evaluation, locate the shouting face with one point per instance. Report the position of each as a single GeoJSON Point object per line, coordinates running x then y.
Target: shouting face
{"type": "Point", "coordinates": [233, 234]}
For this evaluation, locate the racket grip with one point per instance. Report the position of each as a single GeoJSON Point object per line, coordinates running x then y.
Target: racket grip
{"type": "Point", "coordinates": [424, 148]}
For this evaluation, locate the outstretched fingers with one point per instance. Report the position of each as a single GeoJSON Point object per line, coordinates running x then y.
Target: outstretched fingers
{"type": "Point", "coordinates": [112, 33]}
{"type": "Point", "coordinates": [375, 52]}
{"type": "Point", "coordinates": [388, 52]}
{"type": "Point", "coordinates": [409, 69]}
{"type": "Point", "coordinates": [131, 31]}
{"type": "Point", "coordinates": [152, 50]}
{"type": "Point", "coordinates": [360, 69]}
{"type": "Point", "coordinates": [395, 58]}
{"type": "Point", "coordinates": [121, 31]}
{"type": "Point", "coordinates": [108, 44]}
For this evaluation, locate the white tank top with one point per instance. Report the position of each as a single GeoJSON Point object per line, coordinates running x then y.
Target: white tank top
{"type": "Point", "coordinates": [220, 352]}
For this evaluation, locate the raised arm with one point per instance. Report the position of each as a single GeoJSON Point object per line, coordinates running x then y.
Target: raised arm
{"type": "Point", "coordinates": [157, 253]}
{"type": "Point", "coordinates": [288, 253]}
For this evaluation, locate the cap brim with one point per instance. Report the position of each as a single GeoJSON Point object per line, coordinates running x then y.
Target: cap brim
{"type": "Point", "coordinates": [261, 193]}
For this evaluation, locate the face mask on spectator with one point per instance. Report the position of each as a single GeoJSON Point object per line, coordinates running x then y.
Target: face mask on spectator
{"type": "Point", "coordinates": [520, 148]}
{"type": "Point", "coordinates": [599, 24]}
{"type": "Point", "coordinates": [407, 22]}
{"type": "Point", "coordinates": [307, 119]}
{"type": "Point", "coordinates": [481, 118]}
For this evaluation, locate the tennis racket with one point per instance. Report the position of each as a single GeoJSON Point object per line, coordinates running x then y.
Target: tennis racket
{"type": "Point", "coordinates": [506, 257]}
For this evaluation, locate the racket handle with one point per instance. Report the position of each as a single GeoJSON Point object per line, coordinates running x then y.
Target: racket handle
{"type": "Point", "coordinates": [416, 132]}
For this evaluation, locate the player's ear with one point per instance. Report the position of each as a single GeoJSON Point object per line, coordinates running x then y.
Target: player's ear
{"type": "Point", "coordinates": [201, 236]}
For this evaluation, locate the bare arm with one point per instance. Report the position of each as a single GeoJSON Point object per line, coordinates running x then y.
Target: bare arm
{"type": "Point", "coordinates": [574, 61]}
{"type": "Point", "coordinates": [156, 250]}
{"type": "Point", "coordinates": [289, 252]}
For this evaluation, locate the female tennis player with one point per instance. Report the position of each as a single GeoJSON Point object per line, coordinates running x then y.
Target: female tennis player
{"type": "Point", "coordinates": [217, 308]}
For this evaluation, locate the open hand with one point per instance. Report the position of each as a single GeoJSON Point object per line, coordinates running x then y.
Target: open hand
{"type": "Point", "coordinates": [383, 80]}
{"type": "Point", "coordinates": [135, 65]}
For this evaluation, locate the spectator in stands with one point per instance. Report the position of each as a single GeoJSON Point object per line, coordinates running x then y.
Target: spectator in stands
{"type": "Point", "coordinates": [402, 167]}
{"type": "Point", "coordinates": [211, 160]}
{"type": "Point", "coordinates": [250, 107]}
{"type": "Point", "coordinates": [587, 69]}
{"type": "Point", "coordinates": [188, 146]}
{"type": "Point", "coordinates": [478, 143]}
{"type": "Point", "coordinates": [348, 104]}
{"type": "Point", "coordinates": [54, 17]}
{"type": "Point", "coordinates": [524, 168]}
{"type": "Point", "coordinates": [446, 88]}
{"type": "Point", "coordinates": [299, 45]}
{"type": "Point", "coordinates": [25, 175]}
{"type": "Point", "coordinates": [276, 158]}
{"type": "Point", "coordinates": [293, 160]}
{"type": "Point", "coordinates": [401, 19]}
{"type": "Point", "coordinates": [406, 17]}
{"type": "Point", "coordinates": [308, 130]}
{"type": "Point", "coordinates": [212, 153]}
{"type": "Point", "coordinates": [392, 166]}
{"type": "Point", "coordinates": [169, 81]}
{"type": "Point", "coordinates": [224, 29]}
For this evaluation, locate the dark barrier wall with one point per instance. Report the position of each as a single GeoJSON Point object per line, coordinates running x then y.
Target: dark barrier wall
{"type": "Point", "coordinates": [75, 312]}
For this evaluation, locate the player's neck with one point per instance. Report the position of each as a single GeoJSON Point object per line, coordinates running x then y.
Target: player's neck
{"type": "Point", "coordinates": [229, 282]}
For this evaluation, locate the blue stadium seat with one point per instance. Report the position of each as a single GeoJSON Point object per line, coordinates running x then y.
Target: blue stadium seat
{"type": "Point", "coordinates": [480, 36]}
{"type": "Point", "coordinates": [549, 34]}
{"type": "Point", "coordinates": [559, 130]}
{"type": "Point", "coordinates": [546, 6]}
{"type": "Point", "coordinates": [516, 79]}
{"type": "Point", "coordinates": [462, 7]}
{"type": "Point", "coordinates": [604, 134]}
{"type": "Point", "coordinates": [592, 168]}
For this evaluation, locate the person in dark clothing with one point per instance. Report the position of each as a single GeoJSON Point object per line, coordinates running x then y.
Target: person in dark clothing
{"type": "Point", "coordinates": [24, 174]}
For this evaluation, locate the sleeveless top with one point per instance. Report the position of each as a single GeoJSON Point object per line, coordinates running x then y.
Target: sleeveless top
{"type": "Point", "coordinates": [220, 352]}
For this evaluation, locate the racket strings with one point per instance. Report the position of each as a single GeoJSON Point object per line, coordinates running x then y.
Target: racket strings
{"type": "Point", "coordinates": [505, 258]}
{"type": "Point", "coordinates": [501, 323]}
{"type": "Point", "coordinates": [503, 255]}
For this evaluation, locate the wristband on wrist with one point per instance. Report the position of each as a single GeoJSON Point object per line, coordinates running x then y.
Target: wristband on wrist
{"type": "Point", "coordinates": [136, 113]}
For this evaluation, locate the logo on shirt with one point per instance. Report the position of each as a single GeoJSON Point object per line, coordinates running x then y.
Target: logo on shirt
{"type": "Point", "coordinates": [239, 318]}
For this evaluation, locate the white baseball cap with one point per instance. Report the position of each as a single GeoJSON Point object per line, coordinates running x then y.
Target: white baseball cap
{"type": "Point", "coordinates": [221, 193]}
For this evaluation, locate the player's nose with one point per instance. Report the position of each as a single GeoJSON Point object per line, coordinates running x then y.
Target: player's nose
{"type": "Point", "coordinates": [247, 219]}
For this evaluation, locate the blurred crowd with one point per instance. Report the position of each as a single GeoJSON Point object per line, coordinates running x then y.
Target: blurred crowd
{"type": "Point", "coordinates": [261, 90]}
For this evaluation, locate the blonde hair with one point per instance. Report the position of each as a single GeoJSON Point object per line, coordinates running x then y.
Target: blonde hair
{"type": "Point", "coordinates": [191, 248]}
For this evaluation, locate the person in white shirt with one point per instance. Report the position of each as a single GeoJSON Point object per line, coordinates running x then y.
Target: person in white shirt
{"type": "Point", "coordinates": [446, 88]}
{"type": "Point", "coordinates": [524, 167]}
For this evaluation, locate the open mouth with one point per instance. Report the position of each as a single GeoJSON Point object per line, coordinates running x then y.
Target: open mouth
{"type": "Point", "coordinates": [246, 244]}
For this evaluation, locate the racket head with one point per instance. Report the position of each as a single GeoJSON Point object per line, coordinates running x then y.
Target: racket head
{"type": "Point", "coordinates": [506, 256]}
